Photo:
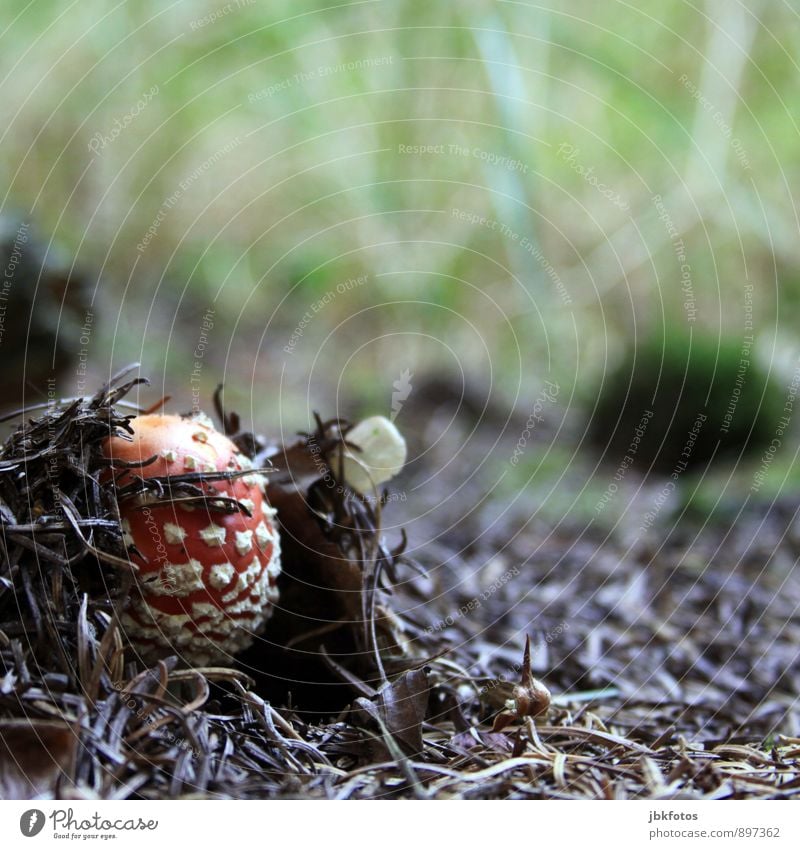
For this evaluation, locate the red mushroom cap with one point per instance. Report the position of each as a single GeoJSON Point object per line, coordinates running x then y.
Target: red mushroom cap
{"type": "Point", "coordinates": [206, 579]}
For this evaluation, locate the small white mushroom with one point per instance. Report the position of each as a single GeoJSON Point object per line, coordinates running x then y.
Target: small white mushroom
{"type": "Point", "coordinates": [382, 455]}
{"type": "Point", "coordinates": [179, 579]}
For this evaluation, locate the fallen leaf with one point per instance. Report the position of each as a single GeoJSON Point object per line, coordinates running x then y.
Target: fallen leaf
{"type": "Point", "coordinates": [487, 739]}
{"type": "Point", "coordinates": [401, 707]}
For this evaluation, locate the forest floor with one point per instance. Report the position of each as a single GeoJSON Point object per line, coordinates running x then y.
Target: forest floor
{"type": "Point", "coordinates": [671, 658]}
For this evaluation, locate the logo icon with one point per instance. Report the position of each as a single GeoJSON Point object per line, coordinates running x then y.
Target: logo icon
{"type": "Point", "coordinates": [402, 389]}
{"type": "Point", "coordinates": [31, 822]}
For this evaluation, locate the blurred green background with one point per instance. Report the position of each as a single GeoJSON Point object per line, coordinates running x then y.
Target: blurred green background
{"type": "Point", "coordinates": [499, 192]}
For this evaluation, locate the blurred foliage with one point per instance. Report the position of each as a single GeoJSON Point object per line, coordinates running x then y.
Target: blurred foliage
{"type": "Point", "coordinates": [276, 161]}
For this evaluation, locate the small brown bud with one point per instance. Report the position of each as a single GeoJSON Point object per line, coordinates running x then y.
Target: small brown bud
{"type": "Point", "coordinates": [528, 698]}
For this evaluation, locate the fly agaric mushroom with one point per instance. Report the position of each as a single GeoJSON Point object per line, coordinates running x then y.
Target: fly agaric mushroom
{"type": "Point", "coordinates": [206, 578]}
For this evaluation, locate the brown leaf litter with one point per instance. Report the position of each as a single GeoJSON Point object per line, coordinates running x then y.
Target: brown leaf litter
{"type": "Point", "coordinates": [674, 674]}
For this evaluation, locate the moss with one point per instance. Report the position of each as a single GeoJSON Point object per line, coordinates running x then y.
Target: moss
{"type": "Point", "coordinates": [689, 403]}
